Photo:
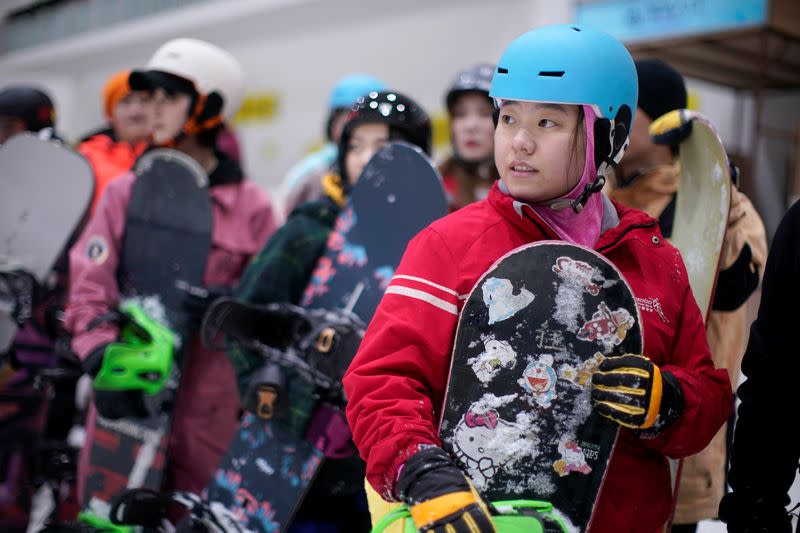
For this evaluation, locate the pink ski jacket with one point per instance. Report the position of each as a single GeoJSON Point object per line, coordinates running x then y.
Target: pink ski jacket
{"type": "Point", "coordinates": [208, 404]}
{"type": "Point", "coordinates": [396, 383]}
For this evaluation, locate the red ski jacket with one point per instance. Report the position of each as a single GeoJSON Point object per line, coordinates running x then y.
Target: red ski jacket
{"type": "Point", "coordinates": [396, 383]}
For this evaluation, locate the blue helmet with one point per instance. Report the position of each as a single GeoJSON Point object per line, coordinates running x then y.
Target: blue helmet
{"type": "Point", "coordinates": [349, 88]}
{"type": "Point", "coordinates": [568, 64]}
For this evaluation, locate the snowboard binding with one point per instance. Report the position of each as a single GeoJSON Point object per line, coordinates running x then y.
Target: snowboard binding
{"type": "Point", "coordinates": [318, 344]}
{"type": "Point", "coordinates": [148, 509]}
{"type": "Point", "coordinates": [511, 516]}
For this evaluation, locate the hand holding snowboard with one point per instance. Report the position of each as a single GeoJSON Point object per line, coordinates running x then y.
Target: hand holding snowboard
{"type": "Point", "coordinates": [633, 392]}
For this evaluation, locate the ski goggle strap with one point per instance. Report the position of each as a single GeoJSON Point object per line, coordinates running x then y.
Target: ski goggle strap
{"type": "Point", "coordinates": [207, 114]}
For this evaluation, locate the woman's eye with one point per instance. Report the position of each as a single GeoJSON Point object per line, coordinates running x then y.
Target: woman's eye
{"type": "Point", "coordinates": [507, 119]}
{"type": "Point", "coordinates": [547, 123]}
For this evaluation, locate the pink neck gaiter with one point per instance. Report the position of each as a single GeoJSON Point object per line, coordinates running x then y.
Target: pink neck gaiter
{"type": "Point", "coordinates": [580, 228]}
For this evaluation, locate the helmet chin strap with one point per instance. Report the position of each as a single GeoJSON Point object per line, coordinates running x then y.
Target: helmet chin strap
{"type": "Point", "coordinates": [577, 204]}
{"type": "Point", "coordinates": [608, 162]}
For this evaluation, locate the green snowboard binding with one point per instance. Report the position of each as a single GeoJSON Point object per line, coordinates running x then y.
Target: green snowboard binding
{"type": "Point", "coordinates": [510, 516]}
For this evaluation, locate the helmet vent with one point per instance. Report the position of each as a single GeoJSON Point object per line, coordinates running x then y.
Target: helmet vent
{"type": "Point", "coordinates": [551, 73]}
{"type": "Point", "coordinates": [501, 70]}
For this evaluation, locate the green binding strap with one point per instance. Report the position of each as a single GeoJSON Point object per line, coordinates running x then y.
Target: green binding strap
{"type": "Point", "coordinates": [511, 518]}
{"type": "Point", "coordinates": [142, 359]}
{"type": "Point", "coordinates": [102, 524]}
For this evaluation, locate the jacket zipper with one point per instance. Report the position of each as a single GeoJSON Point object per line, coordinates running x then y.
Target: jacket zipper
{"type": "Point", "coordinates": [544, 229]}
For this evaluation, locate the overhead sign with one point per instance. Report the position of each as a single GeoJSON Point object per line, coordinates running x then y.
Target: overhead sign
{"type": "Point", "coordinates": [638, 20]}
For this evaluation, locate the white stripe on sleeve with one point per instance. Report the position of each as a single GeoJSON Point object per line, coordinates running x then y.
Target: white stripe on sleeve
{"type": "Point", "coordinates": [424, 296]}
{"type": "Point", "coordinates": [425, 281]}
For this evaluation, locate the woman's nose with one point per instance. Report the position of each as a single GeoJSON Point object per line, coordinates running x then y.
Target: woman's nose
{"type": "Point", "coordinates": [523, 141]}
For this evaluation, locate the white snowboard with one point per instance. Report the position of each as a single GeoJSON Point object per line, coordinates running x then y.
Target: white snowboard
{"type": "Point", "coordinates": [45, 189]}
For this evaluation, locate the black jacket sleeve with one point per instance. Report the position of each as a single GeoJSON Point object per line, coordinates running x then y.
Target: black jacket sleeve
{"type": "Point", "coordinates": [766, 446]}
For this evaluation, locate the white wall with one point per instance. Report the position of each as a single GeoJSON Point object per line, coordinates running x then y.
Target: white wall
{"type": "Point", "coordinates": [296, 48]}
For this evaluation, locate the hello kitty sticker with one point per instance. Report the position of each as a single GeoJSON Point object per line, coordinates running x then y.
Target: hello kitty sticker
{"type": "Point", "coordinates": [573, 459]}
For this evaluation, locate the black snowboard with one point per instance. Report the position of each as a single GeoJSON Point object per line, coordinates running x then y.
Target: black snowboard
{"type": "Point", "coordinates": [269, 466]}
{"type": "Point", "coordinates": [517, 414]}
{"type": "Point", "coordinates": [167, 241]}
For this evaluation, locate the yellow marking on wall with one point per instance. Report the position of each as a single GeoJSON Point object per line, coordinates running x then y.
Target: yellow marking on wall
{"type": "Point", "coordinates": [693, 100]}
{"type": "Point", "coordinates": [441, 131]}
{"type": "Point", "coordinates": [259, 107]}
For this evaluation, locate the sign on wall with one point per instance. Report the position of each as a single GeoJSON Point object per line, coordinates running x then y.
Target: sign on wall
{"type": "Point", "coordinates": [260, 107]}
{"type": "Point", "coordinates": [638, 20]}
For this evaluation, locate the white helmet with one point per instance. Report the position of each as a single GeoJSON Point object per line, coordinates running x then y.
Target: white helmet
{"type": "Point", "coordinates": [208, 67]}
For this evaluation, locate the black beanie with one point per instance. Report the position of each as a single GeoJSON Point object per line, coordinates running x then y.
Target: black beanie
{"type": "Point", "coordinates": [661, 88]}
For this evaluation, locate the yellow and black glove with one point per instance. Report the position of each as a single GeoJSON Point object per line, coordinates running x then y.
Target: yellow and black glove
{"type": "Point", "coordinates": [440, 497]}
{"type": "Point", "coordinates": [633, 392]}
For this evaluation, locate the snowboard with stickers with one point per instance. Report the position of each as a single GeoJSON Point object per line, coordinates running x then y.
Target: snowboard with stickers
{"type": "Point", "coordinates": [517, 415]}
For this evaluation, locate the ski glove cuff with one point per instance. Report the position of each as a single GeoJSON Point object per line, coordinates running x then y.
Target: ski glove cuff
{"type": "Point", "coordinates": [633, 392]}
{"type": "Point", "coordinates": [441, 499]}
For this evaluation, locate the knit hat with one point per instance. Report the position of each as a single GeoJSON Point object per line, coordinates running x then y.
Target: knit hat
{"type": "Point", "coordinates": [115, 89]}
{"type": "Point", "coordinates": [661, 88]}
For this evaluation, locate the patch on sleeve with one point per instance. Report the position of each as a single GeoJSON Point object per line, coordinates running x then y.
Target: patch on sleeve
{"type": "Point", "coordinates": [97, 249]}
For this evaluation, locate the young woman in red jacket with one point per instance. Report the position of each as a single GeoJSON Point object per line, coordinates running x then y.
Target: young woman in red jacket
{"type": "Point", "coordinates": [566, 96]}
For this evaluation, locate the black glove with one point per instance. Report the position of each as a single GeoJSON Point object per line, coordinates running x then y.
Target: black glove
{"type": "Point", "coordinates": [197, 300]}
{"type": "Point", "coordinates": [744, 512]}
{"type": "Point", "coordinates": [440, 497]}
{"type": "Point", "coordinates": [113, 404]}
{"type": "Point", "coordinates": [633, 392]}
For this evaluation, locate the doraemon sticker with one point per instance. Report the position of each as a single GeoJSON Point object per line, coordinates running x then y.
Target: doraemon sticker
{"type": "Point", "coordinates": [607, 327]}
{"type": "Point", "coordinates": [573, 459]}
{"type": "Point", "coordinates": [97, 249]}
{"type": "Point", "coordinates": [540, 380]}
{"type": "Point", "coordinates": [499, 297]}
{"type": "Point", "coordinates": [580, 273]}
{"type": "Point", "coordinates": [495, 356]}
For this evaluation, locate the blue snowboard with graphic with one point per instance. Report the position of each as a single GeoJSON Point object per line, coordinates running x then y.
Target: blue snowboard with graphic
{"type": "Point", "coordinates": [268, 467]}
{"type": "Point", "coordinates": [517, 414]}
